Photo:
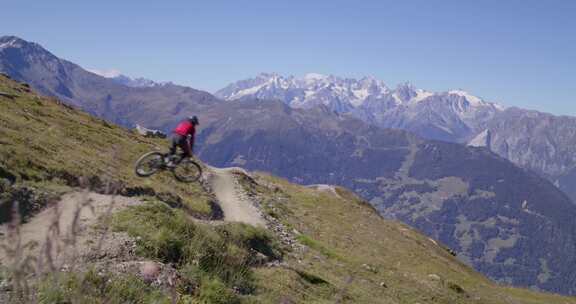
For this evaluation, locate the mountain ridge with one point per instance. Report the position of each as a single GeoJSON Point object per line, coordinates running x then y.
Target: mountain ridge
{"type": "Point", "coordinates": [137, 82]}
{"type": "Point", "coordinates": [405, 91]}
{"type": "Point", "coordinates": [29, 62]}
{"type": "Point", "coordinates": [457, 112]}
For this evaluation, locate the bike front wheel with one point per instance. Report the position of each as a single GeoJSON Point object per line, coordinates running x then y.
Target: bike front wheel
{"type": "Point", "coordinates": [149, 164]}
{"type": "Point", "coordinates": [187, 171]}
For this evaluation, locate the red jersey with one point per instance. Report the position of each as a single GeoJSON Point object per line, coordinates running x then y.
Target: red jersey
{"type": "Point", "coordinates": [185, 128]}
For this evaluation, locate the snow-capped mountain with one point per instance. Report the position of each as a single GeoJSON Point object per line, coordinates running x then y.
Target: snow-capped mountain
{"type": "Point", "coordinates": [122, 79]}
{"type": "Point", "coordinates": [452, 115]}
{"type": "Point", "coordinates": [14, 42]}
{"type": "Point", "coordinates": [340, 94]}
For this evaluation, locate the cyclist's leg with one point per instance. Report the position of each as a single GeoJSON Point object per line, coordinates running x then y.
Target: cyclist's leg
{"type": "Point", "coordinates": [175, 143]}
{"type": "Point", "coordinates": [185, 146]}
{"type": "Point", "coordinates": [169, 158]}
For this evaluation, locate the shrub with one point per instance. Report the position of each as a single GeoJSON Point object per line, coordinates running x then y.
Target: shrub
{"type": "Point", "coordinates": [247, 236]}
{"type": "Point", "coordinates": [224, 252]}
{"type": "Point", "coordinates": [90, 287]}
{"type": "Point", "coordinates": [213, 291]}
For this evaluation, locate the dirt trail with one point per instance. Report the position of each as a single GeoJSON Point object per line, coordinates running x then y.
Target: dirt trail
{"type": "Point", "coordinates": [236, 208]}
{"type": "Point", "coordinates": [79, 210]}
{"type": "Point", "coordinates": [72, 215]}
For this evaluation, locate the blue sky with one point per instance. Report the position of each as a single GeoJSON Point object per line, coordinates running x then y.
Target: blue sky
{"type": "Point", "coordinates": [518, 53]}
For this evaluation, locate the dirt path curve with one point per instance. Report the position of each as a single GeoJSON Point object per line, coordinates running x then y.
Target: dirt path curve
{"type": "Point", "coordinates": [235, 207]}
{"type": "Point", "coordinates": [76, 211]}
{"type": "Point", "coordinates": [72, 215]}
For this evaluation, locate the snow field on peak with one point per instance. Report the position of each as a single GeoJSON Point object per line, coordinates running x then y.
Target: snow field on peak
{"type": "Point", "coordinates": [314, 87]}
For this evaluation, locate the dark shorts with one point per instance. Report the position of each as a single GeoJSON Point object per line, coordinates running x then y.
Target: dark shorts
{"type": "Point", "coordinates": [182, 142]}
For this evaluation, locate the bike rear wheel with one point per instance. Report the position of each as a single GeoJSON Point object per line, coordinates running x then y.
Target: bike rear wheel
{"type": "Point", "coordinates": [187, 171]}
{"type": "Point", "coordinates": [149, 164]}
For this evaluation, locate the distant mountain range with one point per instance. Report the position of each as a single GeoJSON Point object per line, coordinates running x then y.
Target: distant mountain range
{"type": "Point", "coordinates": [122, 79]}
{"type": "Point", "coordinates": [538, 141]}
{"type": "Point", "coordinates": [505, 221]}
{"type": "Point", "coordinates": [450, 116]}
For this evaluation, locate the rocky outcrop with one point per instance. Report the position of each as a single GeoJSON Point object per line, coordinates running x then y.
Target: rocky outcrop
{"type": "Point", "coordinates": [484, 139]}
{"type": "Point", "coordinates": [538, 141]}
{"type": "Point", "coordinates": [149, 132]}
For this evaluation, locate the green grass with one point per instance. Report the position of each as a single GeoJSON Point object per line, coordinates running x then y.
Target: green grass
{"type": "Point", "coordinates": [366, 259]}
{"type": "Point", "coordinates": [43, 141]}
{"type": "Point", "coordinates": [316, 245]}
{"type": "Point", "coordinates": [205, 253]}
{"type": "Point", "coordinates": [213, 291]}
{"type": "Point", "coordinates": [91, 287]}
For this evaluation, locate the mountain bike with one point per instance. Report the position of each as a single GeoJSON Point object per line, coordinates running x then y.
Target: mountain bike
{"type": "Point", "coordinates": [185, 169]}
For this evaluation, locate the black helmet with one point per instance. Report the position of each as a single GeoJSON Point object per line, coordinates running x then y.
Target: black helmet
{"type": "Point", "coordinates": [194, 120]}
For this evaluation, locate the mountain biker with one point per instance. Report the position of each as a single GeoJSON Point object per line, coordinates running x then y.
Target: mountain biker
{"type": "Point", "coordinates": [183, 137]}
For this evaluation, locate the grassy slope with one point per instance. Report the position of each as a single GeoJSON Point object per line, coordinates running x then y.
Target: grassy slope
{"type": "Point", "coordinates": [354, 256]}
{"type": "Point", "coordinates": [367, 259]}
{"type": "Point", "coordinates": [43, 142]}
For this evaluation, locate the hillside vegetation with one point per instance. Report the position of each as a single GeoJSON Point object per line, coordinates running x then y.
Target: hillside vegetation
{"type": "Point", "coordinates": [322, 244]}
{"type": "Point", "coordinates": [47, 145]}
{"type": "Point", "coordinates": [366, 259]}
{"type": "Point", "coordinates": [505, 221]}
